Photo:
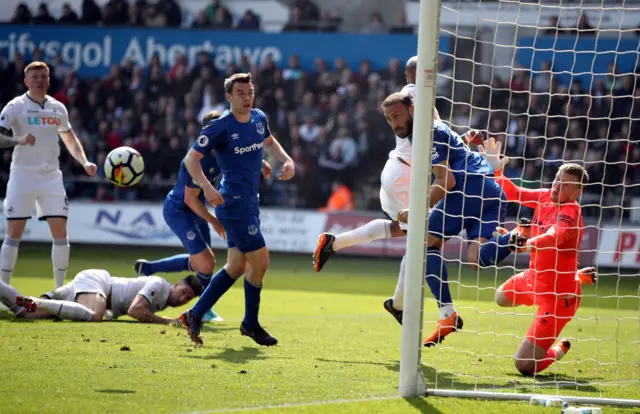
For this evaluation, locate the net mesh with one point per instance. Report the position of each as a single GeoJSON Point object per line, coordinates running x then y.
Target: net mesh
{"type": "Point", "coordinates": [556, 83]}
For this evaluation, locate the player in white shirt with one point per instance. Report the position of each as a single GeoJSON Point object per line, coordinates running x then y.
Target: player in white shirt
{"type": "Point", "coordinates": [32, 122]}
{"type": "Point", "coordinates": [94, 293]}
{"type": "Point", "coordinates": [394, 197]}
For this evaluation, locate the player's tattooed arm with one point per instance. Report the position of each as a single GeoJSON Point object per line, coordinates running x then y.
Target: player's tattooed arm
{"type": "Point", "coordinates": [7, 139]}
{"type": "Point", "coordinates": [443, 183]}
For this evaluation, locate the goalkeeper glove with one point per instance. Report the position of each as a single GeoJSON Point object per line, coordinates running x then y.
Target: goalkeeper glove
{"type": "Point", "coordinates": [519, 236]}
{"type": "Point", "coordinates": [587, 276]}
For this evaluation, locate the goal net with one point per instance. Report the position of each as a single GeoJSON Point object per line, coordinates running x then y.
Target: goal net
{"type": "Point", "coordinates": [555, 82]}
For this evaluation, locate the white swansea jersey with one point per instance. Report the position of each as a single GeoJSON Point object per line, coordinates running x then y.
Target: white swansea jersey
{"type": "Point", "coordinates": [124, 290]}
{"type": "Point", "coordinates": [403, 146]}
{"type": "Point", "coordinates": [23, 115]}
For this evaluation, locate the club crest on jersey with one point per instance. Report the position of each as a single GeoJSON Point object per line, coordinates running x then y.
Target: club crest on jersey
{"type": "Point", "coordinates": [203, 140]}
{"type": "Point", "coordinates": [253, 230]}
{"type": "Point", "coordinates": [260, 128]}
{"type": "Point", "coordinates": [191, 235]}
{"type": "Point", "coordinates": [3, 118]}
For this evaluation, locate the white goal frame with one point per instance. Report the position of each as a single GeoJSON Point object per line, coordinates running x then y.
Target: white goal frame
{"type": "Point", "coordinates": [412, 381]}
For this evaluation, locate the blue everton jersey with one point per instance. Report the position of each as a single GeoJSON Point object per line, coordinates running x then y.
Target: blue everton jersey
{"type": "Point", "coordinates": [238, 148]}
{"type": "Point", "coordinates": [211, 171]}
{"type": "Point", "coordinates": [448, 146]}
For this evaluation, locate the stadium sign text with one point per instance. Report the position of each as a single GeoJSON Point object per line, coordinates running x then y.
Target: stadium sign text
{"type": "Point", "coordinates": [92, 51]}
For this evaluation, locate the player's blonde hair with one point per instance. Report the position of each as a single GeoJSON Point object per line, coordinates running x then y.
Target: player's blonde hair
{"type": "Point", "coordinates": [577, 171]}
{"type": "Point", "coordinates": [37, 65]}
{"type": "Point", "coordinates": [210, 116]}
{"type": "Point", "coordinates": [236, 78]}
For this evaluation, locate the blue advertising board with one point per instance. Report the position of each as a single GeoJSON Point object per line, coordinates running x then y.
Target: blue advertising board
{"type": "Point", "coordinates": [92, 51]}
{"type": "Point", "coordinates": [579, 58]}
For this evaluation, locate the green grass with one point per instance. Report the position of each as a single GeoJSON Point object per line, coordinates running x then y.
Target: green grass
{"type": "Point", "coordinates": [338, 349]}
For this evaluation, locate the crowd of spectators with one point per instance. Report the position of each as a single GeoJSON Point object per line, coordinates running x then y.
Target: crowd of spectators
{"type": "Point", "coordinates": [329, 120]}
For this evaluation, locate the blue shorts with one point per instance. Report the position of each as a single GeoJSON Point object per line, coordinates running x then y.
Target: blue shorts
{"type": "Point", "coordinates": [478, 209]}
{"type": "Point", "coordinates": [240, 217]}
{"type": "Point", "coordinates": [191, 229]}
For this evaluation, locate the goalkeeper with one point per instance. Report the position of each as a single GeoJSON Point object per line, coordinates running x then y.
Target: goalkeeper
{"type": "Point", "coordinates": [552, 282]}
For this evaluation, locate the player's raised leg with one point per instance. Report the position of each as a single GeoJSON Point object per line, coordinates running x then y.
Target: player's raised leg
{"type": "Point", "coordinates": [329, 244]}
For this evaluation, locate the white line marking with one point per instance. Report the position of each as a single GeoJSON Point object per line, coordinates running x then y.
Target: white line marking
{"type": "Point", "coordinates": [292, 405]}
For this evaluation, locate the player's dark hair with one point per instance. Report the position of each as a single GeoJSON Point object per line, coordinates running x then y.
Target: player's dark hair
{"type": "Point", "coordinates": [210, 117]}
{"type": "Point", "coordinates": [577, 171]}
{"type": "Point", "coordinates": [236, 78]}
{"type": "Point", "coordinates": [396, 98]}
{"type": "Point", "coordinates": [194, 283]}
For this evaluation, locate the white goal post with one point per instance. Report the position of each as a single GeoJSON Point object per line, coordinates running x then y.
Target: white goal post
{"type": "Point", "coordinates": [553, 91]}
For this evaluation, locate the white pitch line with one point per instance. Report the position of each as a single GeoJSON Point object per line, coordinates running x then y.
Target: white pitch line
{"type": "Point", "coordinates": [292, 405]}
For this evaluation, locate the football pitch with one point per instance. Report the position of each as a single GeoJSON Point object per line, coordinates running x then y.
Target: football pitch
{"type": "Point", "coordinates": [338, 352]}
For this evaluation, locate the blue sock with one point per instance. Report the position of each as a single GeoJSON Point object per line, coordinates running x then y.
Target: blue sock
{"type": "Point", "coordinates": [437, 277]}
{"type": "Point", "coordinates": [177, 263]}
{"type": "Point", "coordinates": [219, 284]}
{"type": "Point", "coordinates": [494, 250]}
{"type": "Point", "coordinates": [204, 278]}
{"type": "Point", "coordinates": [251, 304]}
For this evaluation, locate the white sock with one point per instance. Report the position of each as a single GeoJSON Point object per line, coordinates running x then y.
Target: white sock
{"type": "Point", "coordinates": [398, 295]}
{"type": "Point", "coordinates": [373, 230]}
{"type": "Point", "coordinates": [8, 258]}
{"type": "Point", "coordinates": [60, 258]}
{"type": "Point", "coordinates": [66, 309]}
{"type": "Point", "coordinates": [446, 311]}
{"type": "Point", "coordinates": [8, 296]}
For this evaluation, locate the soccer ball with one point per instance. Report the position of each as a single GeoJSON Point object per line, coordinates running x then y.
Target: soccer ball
{"type": "Point", "coordinates": [124, 167]}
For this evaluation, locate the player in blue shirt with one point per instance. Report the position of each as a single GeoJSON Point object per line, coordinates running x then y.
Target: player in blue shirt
{"type": "Point", "coordinates": [238, 139]}
{"type": "Point", "coordinates": [463, 195]}
{"type": "Point", "coordinates": [187, 215]}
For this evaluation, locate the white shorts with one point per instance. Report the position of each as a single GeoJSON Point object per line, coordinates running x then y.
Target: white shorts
{"type": "Point", "coordinates": [27, 189]}
{"type": "Point", "coordinates": [87, 281]}
{"type": "Point", "coordinates": [394, 189]}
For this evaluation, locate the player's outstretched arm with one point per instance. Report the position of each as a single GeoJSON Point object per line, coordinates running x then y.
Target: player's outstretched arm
{"type": "Point", "coordinates": [140, 310]}
{"type": "Point", "coordinates": [74, 146]}
{"type": "Point", "coordinates": [492, 150]}
{"type": "Point", "coordinates": [275, 149]}
{"type": "Point", "coordinates": [565, 230]}
{"type": "Point", "coordinates": [194, 168]}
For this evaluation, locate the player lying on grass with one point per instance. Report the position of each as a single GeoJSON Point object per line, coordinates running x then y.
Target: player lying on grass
{"type": "Point", "coordinates": [93, 292]}
{"type": "Point", "coordinates": [552, 282]}
{"type": "Point", "coordinates": [463, 195]}
{"type": "Point", "coordinates": [238, 138]}
{"type": "Point", "coordinates": [186, 213]}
